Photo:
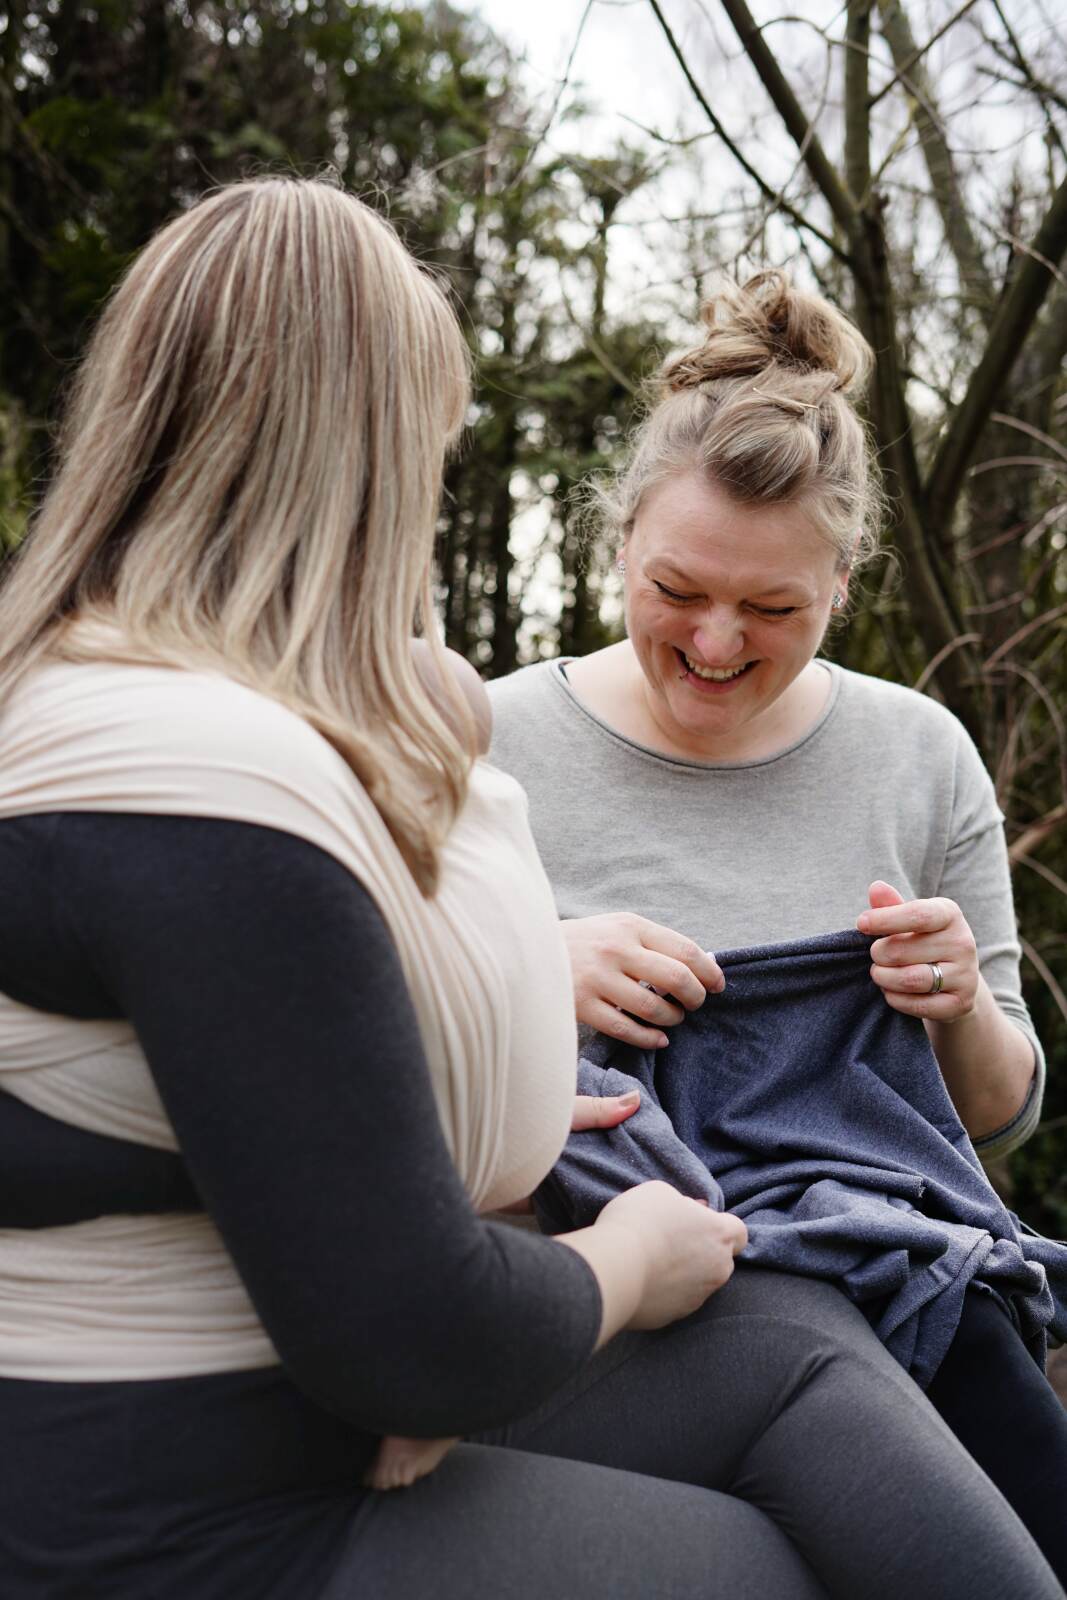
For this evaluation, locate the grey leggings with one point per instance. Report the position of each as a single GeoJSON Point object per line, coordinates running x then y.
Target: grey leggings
{"type": "Point", "coordinates": [766, 1448]}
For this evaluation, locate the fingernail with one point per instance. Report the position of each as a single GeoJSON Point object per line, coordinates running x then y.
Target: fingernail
{"type": "Point", "coordinates": [663, 1042]}
{"type": "Point", "coordinates": [632, 1098]}
{"type": "Point", "coordinates": [864, 923]}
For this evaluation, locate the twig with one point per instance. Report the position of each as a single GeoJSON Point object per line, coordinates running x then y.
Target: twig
{"type": "Point", "coordinates": [765, 188]}
{"type": "Point", "coordinates": [561, 89]}
{"type": "Point", "coordinates": [1023, 633]}
{"type": "Point", "coordinates": [798, 125]}
{"type": "Point", "coordinates": [1029, 429]}
{"type": "Point", "coordinates": [1047, 974]}
{"type": "Point", "coordinates": [1012, 461]}
{"type": "Point", "coordinates": [1037, 833]}
{"type": "Point", "coordinates": [942, 655]}
{"type": "Point", "coordinates": [1040, 868]}
{"type": "Point", "coordinates": [774, 204]}
{"type": "Point", "coordinates": [1054, 713]}
{"type": "Point", "coordinates": [1032, 79]}
{"type": "Point", "coordinates": [920, 52]}
{"type": "Point", "coordinates": [595, 349]}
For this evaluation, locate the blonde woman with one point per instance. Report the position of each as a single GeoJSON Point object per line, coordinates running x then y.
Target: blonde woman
{"type": "Point", "coordinates": [284, 1007]}
{"type": "Point", "coordinates": [711, 781]}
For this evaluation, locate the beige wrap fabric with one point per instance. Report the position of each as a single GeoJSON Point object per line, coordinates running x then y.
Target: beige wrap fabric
{"type": "Point", "coordinates": [137, 1297]}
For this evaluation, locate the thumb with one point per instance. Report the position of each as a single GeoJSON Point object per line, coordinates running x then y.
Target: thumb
{"type": "Point", "coordinates": [883, 894]}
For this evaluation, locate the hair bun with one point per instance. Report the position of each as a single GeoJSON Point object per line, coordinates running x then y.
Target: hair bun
{"type": "Point", "coordinates": [764, 323]}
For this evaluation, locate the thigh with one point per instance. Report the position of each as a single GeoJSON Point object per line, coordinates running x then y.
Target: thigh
{"type": "Point", "coordinates": [778, 1392]}
{"type": "Point", "coordinates": [514, 1526]}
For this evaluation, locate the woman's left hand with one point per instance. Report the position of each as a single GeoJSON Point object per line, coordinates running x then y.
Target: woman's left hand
{"type": "Point", "coordinates": [914, 936]}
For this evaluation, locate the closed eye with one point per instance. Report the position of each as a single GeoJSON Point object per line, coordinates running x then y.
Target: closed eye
{"type": "Point", "coordinates": [671, 594]}
{"type": "Point", "coordinates": [775, 611]}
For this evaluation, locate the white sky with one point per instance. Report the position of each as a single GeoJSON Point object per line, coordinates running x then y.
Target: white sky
{"type": "Point", "coordinates": [622, 59]}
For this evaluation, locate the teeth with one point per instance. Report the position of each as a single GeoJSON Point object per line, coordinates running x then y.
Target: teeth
{"type": "Point", "coordinates": [713, 674]}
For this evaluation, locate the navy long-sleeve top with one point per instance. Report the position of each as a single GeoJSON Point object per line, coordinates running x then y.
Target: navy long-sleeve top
{"type": "Point", "coordinates": [270, 1003]}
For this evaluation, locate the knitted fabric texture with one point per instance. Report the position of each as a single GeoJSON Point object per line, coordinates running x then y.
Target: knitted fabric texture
{"type": "Point", "coordinates": [801, 1101]}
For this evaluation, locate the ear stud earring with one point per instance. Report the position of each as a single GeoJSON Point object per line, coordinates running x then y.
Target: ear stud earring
{"type": "Point", "coordinates": [620, 565]}
{"type": "Point", "coordinates": [838, 600]}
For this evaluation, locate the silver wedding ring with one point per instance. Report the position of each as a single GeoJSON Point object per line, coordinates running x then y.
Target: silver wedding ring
{"type": "Point", "coordinates": [936, 980]}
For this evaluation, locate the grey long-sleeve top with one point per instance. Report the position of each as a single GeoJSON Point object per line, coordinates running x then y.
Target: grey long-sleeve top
{"type": "Point", "coordinates": [887, 784]}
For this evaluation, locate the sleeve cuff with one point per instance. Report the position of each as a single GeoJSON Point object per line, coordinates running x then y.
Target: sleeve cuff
{"type": "Point", "coordinates": [1002, 1141]}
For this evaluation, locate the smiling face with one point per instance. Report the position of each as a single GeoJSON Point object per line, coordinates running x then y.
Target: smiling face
{"type": "Point", "coordinates": [726, 604]}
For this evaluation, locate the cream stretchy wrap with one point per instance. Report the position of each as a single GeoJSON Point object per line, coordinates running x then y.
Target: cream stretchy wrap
{"type": "Point", "coordinates": [145, 1297]}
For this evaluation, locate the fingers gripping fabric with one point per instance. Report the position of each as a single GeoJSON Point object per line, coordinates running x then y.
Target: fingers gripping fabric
{"type": "Point", "coordinates": [819, 1115]}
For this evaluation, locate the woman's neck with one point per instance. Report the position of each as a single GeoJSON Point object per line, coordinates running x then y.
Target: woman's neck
{"type": "Point", "coordinates": [611, 685]}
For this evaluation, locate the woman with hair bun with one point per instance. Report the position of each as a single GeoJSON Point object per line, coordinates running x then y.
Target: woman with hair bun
{"type": "Point", "coordinates": [284, 1009]}
{"type": "Point", "coordinates": [711, 782]}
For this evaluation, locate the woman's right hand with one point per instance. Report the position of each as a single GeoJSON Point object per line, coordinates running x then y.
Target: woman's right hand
{"type": "Point", "coordinates": [688, 1249]}
{"type": "Point", "coordinates": [657, 1256]}
{"type": "Point", "coordinates": [619, 960]}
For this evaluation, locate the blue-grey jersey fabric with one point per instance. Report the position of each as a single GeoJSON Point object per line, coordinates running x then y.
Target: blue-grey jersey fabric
{"type": "Point", "coordinates": [819, 1115]}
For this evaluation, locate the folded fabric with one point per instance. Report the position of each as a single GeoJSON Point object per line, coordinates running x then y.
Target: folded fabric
{"type": "Point", "coordinates": [798, 1099]}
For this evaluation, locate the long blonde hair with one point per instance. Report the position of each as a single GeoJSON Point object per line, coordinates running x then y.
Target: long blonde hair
{"type": "Point", "coordinates": [249, 482]}
{"type": "Point", "coordinates": [762, 406]}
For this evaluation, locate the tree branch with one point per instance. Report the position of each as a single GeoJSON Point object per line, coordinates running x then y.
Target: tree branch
{"type": "Point", "coordinates": [765, 188]}
{"type": "Point", "coordinates": [940, 625]}
{"type": "Point", "coordinates": [827, 179]}
{"type": "Point", "coordinates": [904, 67]}
{"type": "Point", "coordinates": [1015, 317]}
{"type": "Point", "coordinates": [857, 114]}
{"type": "Point", "coordinates": [1031, 77]}
{"type": "Point", "coordinates": [561, 89]}
{"type": "Point", "coordinates": [1035, 835]}
{"type": "Point", "coordinates": [1045, 971]}
{"type": "Point", "coordinates": [940, 166]}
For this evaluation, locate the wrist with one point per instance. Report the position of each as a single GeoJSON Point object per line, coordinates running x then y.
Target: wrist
{"type": "Point", "coordinates": [618, 1258]}
{"type": "Point", "coordinates": [987, 1063]}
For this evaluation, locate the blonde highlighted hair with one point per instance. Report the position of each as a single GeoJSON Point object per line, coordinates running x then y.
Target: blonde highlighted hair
{"type": "Point", "coordinates": [249, 482]}
{"type": "Point", "coordinates": [762, 407]}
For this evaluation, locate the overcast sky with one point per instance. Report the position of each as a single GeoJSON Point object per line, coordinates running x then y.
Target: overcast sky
{"type": "Point", "coordinates": [623, 63]}
{"type": "Point", "coordinates": [622, 58]}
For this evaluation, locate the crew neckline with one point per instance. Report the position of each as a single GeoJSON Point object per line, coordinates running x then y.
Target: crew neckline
{"type": "Point", "coordinates": [558, 676]}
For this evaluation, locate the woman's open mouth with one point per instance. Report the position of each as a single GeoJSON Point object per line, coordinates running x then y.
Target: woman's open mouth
{"type": "Point", "coordinates": [711, 679]}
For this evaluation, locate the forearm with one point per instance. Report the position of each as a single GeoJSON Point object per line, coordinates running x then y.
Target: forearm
{"type": "Point", "coordinates": [987, 1064]}
{"type": "Point", "coordinates": [619, 1269]}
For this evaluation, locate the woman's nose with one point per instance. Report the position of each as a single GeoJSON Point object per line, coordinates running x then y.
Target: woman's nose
{"type": "Point", "coordinates": [718, 636]}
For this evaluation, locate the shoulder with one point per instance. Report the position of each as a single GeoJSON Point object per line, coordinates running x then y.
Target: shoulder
{"type": "Point", "coordinates": [115, 720]}
{"type": "Point", "coordinates": [895, 710]}
{"type": "Point", "coordinates": [531, 709]}
{"type": "Point", "coordinates": [523, 688]}
{"type": "Point", "coordinates": [915, 740]}
{"type": "Point", "coordinates": [465, 678]}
